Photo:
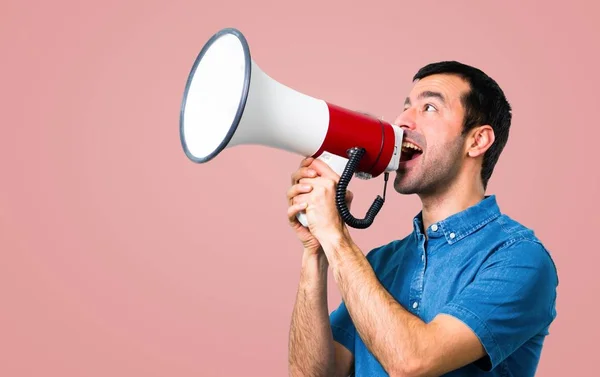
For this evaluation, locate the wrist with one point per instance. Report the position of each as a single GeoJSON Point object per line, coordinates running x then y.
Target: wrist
{"type": "Point", "coordinates": [317, 258]}
{"type": "Point", "coordinates": [335, 243]}
{"type": "Point", "coordinates": [343, 255]}
{"type": "Point", "coordinates": [313, 274]}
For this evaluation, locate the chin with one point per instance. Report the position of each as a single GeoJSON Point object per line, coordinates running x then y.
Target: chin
{"type": "Point", "coordinates": [407, 185]}
{"type": "Point", "coordinates": [404, 186]}
{"type": "Point", "coordinates": [406, 190]}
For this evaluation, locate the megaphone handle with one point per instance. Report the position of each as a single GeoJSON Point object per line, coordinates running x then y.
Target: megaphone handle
{"type": "Point", "coordinates": [337, 164]}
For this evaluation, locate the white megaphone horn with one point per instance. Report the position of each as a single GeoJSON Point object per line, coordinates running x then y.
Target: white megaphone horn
{"type": "Point", "coordinates": [229, 100]}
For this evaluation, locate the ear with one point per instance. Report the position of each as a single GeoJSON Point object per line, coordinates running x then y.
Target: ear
{"type": "Point", "coordinates": [480, 140]}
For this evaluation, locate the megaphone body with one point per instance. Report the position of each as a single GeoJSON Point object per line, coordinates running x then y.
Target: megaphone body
{"type": "Point", "coordinates": [229, 101]}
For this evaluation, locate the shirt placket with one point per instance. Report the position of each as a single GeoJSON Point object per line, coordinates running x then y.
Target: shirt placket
{"type": "Point", "coordinates": [418, 280]}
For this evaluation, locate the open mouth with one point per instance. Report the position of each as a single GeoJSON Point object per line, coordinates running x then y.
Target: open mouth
{"type": "Point", "coordinates": [409, 151]}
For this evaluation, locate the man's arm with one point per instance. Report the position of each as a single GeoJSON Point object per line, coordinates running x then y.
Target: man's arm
{"type": "Point", "coordinates": [512, 300]}
{"type": "Point", "coordinates": [403, 344]}
{"type": "Point", "coordinates": [312, 351]}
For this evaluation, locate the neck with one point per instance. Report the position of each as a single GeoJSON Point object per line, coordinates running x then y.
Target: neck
{"type": "Point", "coordinates": [457, 196]}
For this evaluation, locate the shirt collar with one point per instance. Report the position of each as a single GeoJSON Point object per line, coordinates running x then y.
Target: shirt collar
{"type": "Point", "coordinates": [461, 224]}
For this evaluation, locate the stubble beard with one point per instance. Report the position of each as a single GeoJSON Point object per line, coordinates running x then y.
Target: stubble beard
{"type": "Point", "coordinates": [434, 173]}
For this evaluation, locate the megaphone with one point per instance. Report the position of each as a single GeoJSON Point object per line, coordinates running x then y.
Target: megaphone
{"type": "Point", "coordinates": [228, 101]}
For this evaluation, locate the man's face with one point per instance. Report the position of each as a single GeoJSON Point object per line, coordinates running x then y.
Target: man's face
{"type": "Point", "coordinates": [432, 120]}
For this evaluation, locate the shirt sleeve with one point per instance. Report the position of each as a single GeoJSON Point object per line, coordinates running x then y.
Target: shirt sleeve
{"type": "Point", "coordinates": [511, 300]}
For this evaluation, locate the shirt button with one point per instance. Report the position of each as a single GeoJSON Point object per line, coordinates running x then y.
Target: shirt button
{"type": "Point", "coordinates": [415, 305]}
{"type": "Point", "coordinates": [423, 257]}
{"type": "Point", "coordinates": [452, 235]}
{"type": "Point", "coordinates": [434, 227]}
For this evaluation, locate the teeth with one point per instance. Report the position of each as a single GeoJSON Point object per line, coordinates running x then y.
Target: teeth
{"type": "Point", "coordinates": [407, 144]}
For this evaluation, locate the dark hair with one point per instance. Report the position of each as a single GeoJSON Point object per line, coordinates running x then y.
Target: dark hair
{"type": "Point", "coordinates": [484, 104]}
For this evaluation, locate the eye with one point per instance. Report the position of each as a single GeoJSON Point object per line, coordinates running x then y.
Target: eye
{"type": "Point", "coordinates": [430, 107]}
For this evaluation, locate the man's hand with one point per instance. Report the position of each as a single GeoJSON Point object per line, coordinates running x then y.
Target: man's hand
{"type": "Point", "coordinates": [324, 220]}
{"type": "Point", "coordinates": [297, 196]}
{"type": "Point", "coordinates": [313, 190]}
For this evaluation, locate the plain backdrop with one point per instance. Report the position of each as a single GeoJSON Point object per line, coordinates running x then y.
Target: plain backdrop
{"type": "Point", "coordinates": [120, 257]}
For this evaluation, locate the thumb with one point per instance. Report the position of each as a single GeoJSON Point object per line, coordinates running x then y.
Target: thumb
{"type": "Point", "coordinates": [324, 170]}
{"type": "Point", "coordinates": [349, 198]}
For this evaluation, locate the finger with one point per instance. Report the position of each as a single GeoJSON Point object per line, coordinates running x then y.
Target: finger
{"type": "Point", "coordinates": [306, 161]}
{"type": "Point", "coordinates": [324, 170]}
{"type": "Point", "coordinates": [304, 172]}
{"type": "Point", "coordinates": [349, 196]}
{"type": "Point", "coordinates": [299, 199]}
{"type": "Point", "coordinates": [293, 210]}
{"type": "Point", "coordinates": [298, 189]}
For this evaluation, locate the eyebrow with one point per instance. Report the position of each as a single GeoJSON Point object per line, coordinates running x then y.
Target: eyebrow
{"type": "Point", "coordinates": [428, 94]}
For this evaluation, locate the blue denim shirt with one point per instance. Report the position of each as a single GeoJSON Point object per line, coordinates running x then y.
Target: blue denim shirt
{"type": "Point", "coordinates": [480, 266]}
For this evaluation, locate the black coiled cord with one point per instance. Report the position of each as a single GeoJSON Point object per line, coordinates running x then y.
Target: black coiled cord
{"type": "Point", "coordinates": [354, 155]}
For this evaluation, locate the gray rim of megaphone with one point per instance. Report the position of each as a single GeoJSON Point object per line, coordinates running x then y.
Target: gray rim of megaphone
{"type": "Point", "coordinates": [242, 103]}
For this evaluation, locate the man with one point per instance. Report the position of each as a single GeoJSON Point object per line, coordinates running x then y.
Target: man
{"type": "Point", "coordinates": [470, 292]}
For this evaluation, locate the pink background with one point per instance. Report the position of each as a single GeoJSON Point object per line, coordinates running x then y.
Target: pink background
{"type": "Point", "coordinates": [120, 257]}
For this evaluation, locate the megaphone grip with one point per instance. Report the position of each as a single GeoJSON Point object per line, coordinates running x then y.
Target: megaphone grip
{"type": "Point", "coordinates": [346, 168]}
{"type": "Point", "coordinates": [337, 164]}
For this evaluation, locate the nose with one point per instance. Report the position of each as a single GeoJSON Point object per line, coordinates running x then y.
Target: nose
{"type": "Point", "coordinates": [406, 120]}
